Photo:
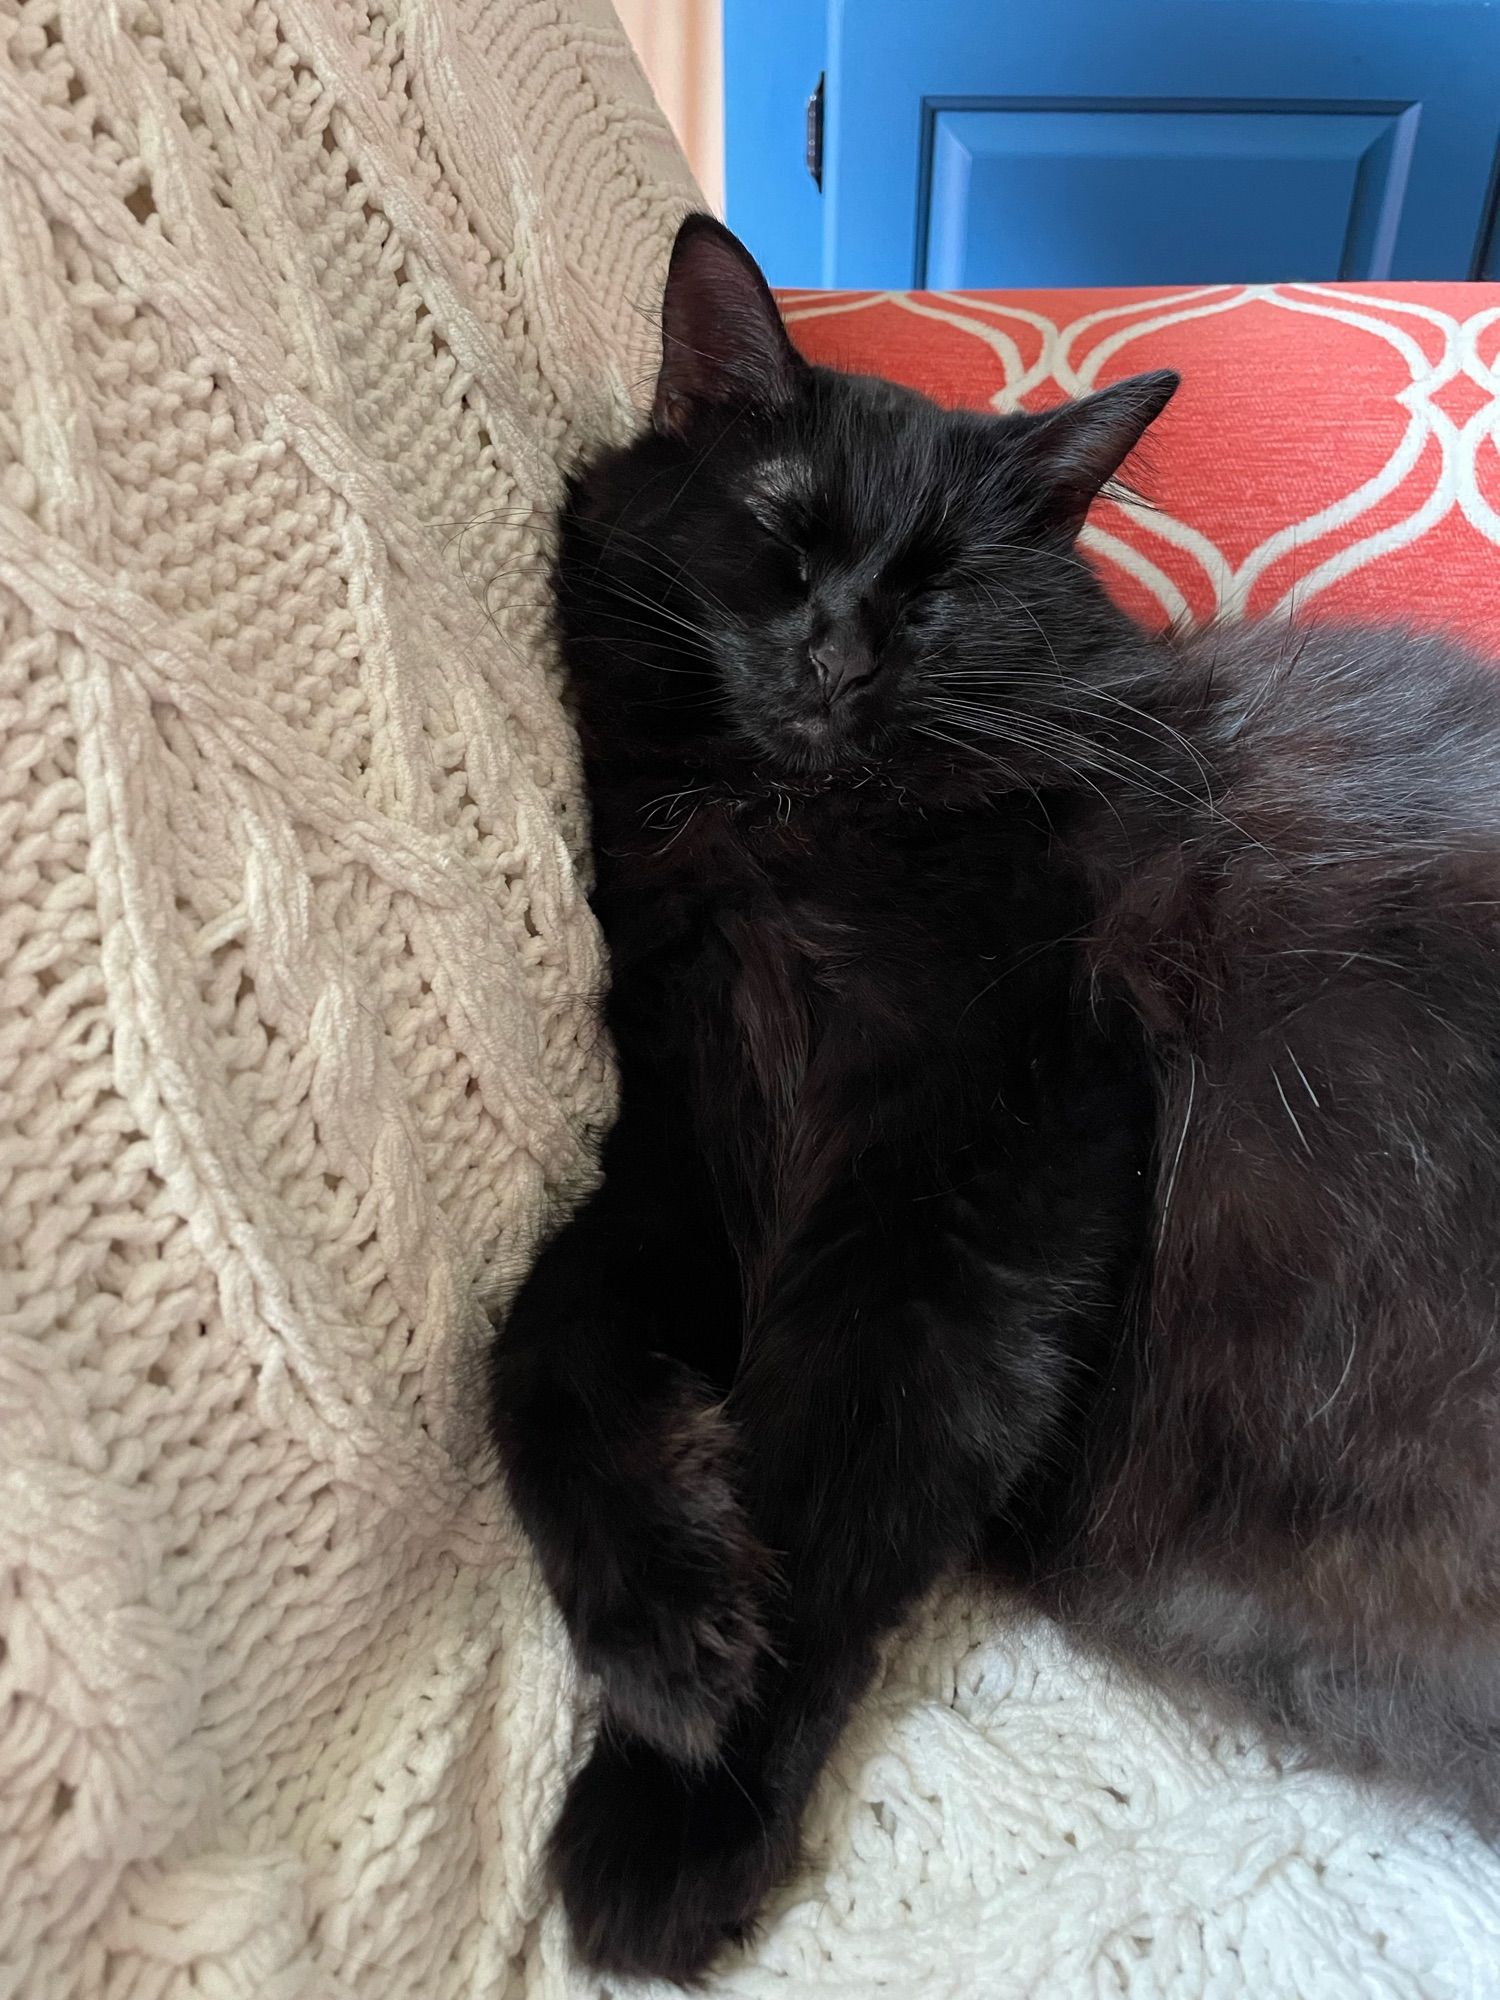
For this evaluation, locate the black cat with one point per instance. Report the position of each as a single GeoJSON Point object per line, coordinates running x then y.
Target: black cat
{"type": "Point", "coordinates": [933, 889]}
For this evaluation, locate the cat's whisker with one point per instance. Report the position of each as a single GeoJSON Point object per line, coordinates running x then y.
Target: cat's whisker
{"type": "Point", "coordinates": [659, 648]}
{"type": "Point", "coordinates": [1080, 693]}
{"type": "Point", "coordinates": [1129, 770]}
{"type": "Point", "coordinates": [667, 641]}
{"type": "Point", "coordinates": [1072, 752]}
{"type": "Point", "coordinates": [989, 585]}
{"type": "Point", "coordinates": [661, 616]}
{"type": "Point", "coordinates": [1187, 1119]}
{"type": "Point", "coordinates": [1086, 692]}
{"type": "Point", "coordinates": [1287, 1107]}
{"type": "Point", "coordinates": [1015, 776]}
{"type": "Point", "coordinates": [623, 652]}
{"type": "Point", "coordinates": [980, 545]}
{"type": "Point", "coordinates": [675, 619]}
{"type": "Point", "coordinates": [647, 553]}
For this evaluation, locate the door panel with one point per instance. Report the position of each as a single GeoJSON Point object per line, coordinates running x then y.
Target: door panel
{"type": "Point", "coordinates": [1130, 194]}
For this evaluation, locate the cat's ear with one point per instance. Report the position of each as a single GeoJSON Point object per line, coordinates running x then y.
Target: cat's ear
{"type": "Point", "coordinates": [1077, 449]}
{"type": "Point", "coordinates": [722, 336]}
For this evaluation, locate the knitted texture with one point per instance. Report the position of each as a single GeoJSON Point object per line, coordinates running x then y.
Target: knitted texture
{"type": "Point", "coordinates": [304, 306]}
{"type": "Point", "coordinates": [305, 303]}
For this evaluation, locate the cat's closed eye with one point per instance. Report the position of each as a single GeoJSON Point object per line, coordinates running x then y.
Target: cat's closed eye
{"type": "Point", "coordinates": [776, 532]}
{"type": "Point", "coordinates": [912, 588]}
{"type": "Point", "coordinates": [912, 573]}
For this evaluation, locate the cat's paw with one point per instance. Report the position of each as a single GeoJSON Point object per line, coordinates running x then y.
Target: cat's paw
{"type": "Point", "coordinates": [661, 1868]}
{"type": "Point", "coordinates": [671, 1620]}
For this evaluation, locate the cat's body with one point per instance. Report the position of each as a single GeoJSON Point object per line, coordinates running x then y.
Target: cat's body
{"type": "Point", "coordinates": [1300, 1502]}
{"type": "Point", "coordinates": [1060, 1110]}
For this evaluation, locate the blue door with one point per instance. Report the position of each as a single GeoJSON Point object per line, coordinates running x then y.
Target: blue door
{"type": "Point", "coordinates": [1055, 142]}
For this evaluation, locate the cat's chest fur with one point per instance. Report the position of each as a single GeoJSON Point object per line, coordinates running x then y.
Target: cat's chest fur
{"type": "Point", "coordinates": [827, 896]}
{"type": "Point", "coordinates": [816, 955]}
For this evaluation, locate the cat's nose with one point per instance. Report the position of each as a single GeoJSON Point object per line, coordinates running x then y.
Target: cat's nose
{"type": "Point", "coordinates": [841, 664]}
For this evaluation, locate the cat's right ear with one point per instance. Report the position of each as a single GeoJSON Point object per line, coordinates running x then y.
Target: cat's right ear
{"type": "Point", "coordinates": [1076, 449]}
{"type": "Point", "coordinates": [722, 336]}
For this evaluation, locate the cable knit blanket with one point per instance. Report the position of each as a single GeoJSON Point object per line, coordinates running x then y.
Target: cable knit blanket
{"type": "Point", "coordinates": [305, 303]}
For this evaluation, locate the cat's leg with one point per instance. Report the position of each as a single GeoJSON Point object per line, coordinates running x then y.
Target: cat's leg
{"type": "Point", "coordinates": [617, 1455]}
{"type": "Point", "coordinates": [891, 1392]}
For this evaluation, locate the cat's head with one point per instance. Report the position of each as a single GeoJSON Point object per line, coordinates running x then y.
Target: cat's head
{"type": "Point", "coordinates": [808, 570]}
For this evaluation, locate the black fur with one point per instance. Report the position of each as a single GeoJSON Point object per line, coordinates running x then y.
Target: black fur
{"type": "Point", "coordinates": [932, 887]}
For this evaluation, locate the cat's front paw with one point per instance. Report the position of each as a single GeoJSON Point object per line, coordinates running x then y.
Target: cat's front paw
{"type": "Point", "coordinates": [670, 1619]}
{"type": "Point", "coordinates": [661, 1868]}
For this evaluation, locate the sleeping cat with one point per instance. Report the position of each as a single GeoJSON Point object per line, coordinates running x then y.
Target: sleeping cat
{"type": "Point", "coordinates": [1060, 1119]}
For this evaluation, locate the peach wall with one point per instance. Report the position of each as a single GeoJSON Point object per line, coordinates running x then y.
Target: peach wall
{"type": "Point", "coordinates": [681, 50]}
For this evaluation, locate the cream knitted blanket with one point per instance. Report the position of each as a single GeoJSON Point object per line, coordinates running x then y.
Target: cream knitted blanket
{"type": "Point", "coordinates": [304, 304]}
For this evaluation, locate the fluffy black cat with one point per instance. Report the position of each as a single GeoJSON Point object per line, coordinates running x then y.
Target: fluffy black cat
{"type": "Point", "coordinates": [1060, 1119]}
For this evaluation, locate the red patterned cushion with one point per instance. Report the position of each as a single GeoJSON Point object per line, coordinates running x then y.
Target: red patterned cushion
{"type": "Point", "coordinates": [1333, 449]}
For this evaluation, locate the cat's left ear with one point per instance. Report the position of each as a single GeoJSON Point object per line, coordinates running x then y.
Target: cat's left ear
{"type": "Point", "coordinates": [1077, 449]}
{"type": "Point", "coordinates": [722, 338]}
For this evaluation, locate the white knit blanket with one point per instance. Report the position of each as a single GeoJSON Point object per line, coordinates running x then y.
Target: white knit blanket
{"type": "Point", "coordinates": [305, 302]}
